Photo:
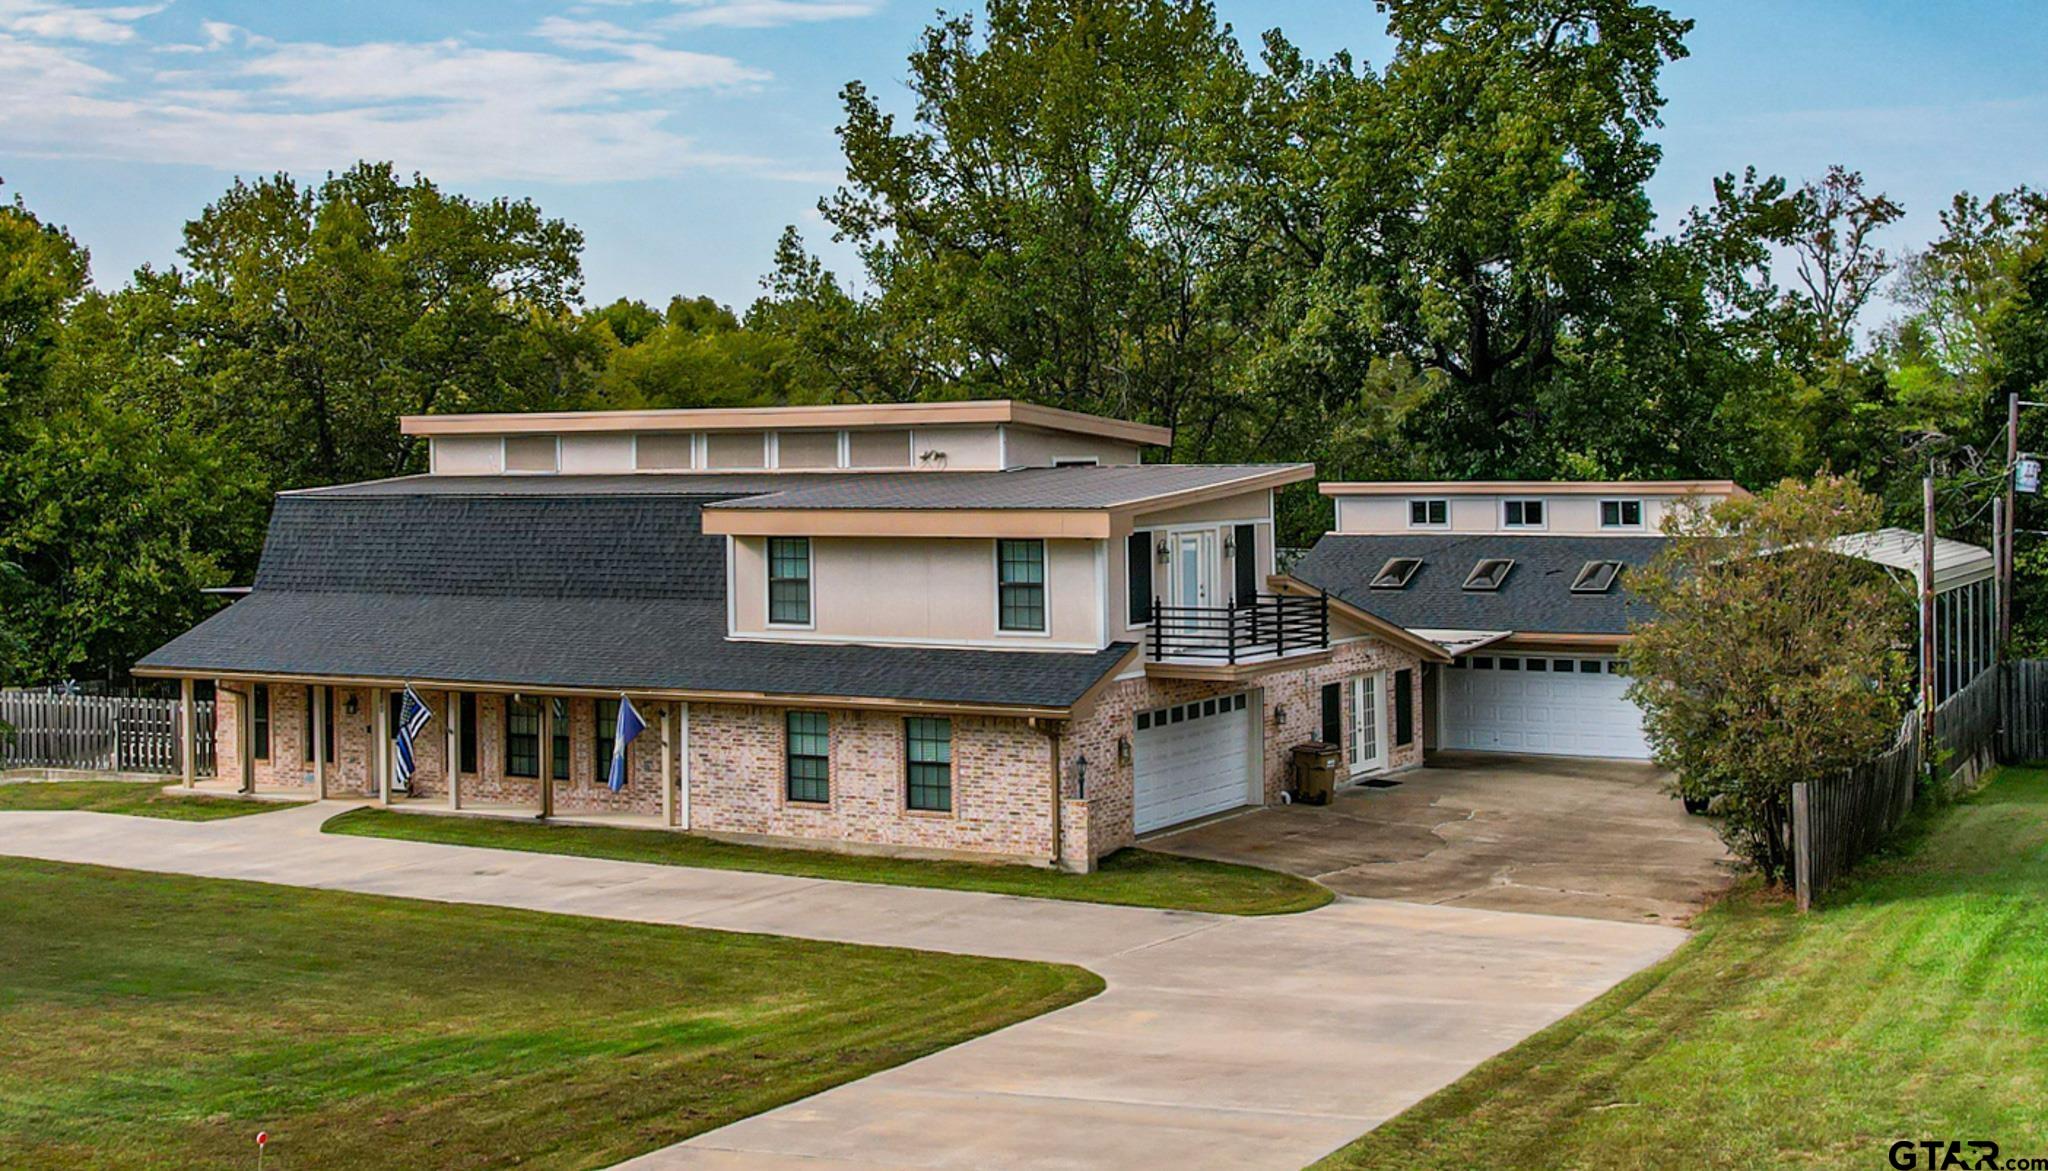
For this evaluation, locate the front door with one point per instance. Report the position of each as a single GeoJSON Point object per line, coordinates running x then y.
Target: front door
{"type": "Point", "coordinates": [1368, 750]}
{"type": "Point", "coordinates": [1194, 567]}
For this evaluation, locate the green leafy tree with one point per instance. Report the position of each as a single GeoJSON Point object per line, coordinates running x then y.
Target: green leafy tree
{"type": "Point", "coordinates": [43, 272]}
{"type": "Point", "coordinates": [1770, 659]}
{"type": "Point", "coordinates": [306, 319]}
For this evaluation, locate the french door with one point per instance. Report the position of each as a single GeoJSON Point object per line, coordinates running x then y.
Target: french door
{"type": "Point", "coordinates": [1368, 749]}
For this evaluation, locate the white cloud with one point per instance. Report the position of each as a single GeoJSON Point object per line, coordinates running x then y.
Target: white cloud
{"type": "Point", "coordinates": [107, 26]}
{"type": "Point", "coordinates": [597, 106]}
{"type": "Point", "coordinates": [766, 13]}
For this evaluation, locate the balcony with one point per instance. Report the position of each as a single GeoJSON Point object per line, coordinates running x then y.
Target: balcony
{"type": "Point", "coordinates": [1269, 632]}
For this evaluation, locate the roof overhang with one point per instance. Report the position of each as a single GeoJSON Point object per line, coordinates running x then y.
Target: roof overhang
{"type": "Point", "coordinates": [655, 694]}
{"type": "Point", "coordinates": [1956, 563]}
{"type": "Point", "coordinates": [1543, 487]}
{"type": "Point", "coordinates": [827, 417]}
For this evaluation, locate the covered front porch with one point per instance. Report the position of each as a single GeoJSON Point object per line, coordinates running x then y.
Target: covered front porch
{"type": "Point", "coordinates": [482, 751]}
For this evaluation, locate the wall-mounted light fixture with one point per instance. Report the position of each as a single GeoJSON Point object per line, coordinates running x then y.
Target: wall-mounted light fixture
{"type": "Point", "coordinates": [1279, 715]}
{"type": "Point", "coordinates": [1123, 750]}
{"type": "Point", "coordinates": [1165, 554]}
{"type": "Point", "coordinates": [350, 706]}
{"type": "Point", "coordinates": [1081, 777]}
{"type": "Point", "coordinates": [1229, 545]}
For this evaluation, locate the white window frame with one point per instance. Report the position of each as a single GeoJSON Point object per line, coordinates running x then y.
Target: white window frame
{"type": "Point", "coordinates": [768, 584]}
{"type": "Point", "coordinates": [995, 561]}
{"type": "Point", "coordinates": [1426, 501]}
{"type": "Point", "coordinates": [1538, 501]}
{"type": "Point", "coordinates": [1618, 501]}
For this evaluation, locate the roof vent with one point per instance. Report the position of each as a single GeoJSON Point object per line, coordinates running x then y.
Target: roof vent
{"type": "Point", "coordinates": [1395, 573]}
{"type": "Point", "coordinates": [1489, 573]}
{"type": "Point", "coordinates": [1596, 577]}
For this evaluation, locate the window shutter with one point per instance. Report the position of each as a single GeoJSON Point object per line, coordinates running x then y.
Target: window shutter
{"type": "Point", "coordinates": [1138, 567]}
{"type": "Point", "coordinates": [1404, 707]}
{"type": "Point", "coordinates": [1333, 713]}
{"type": "Point", "coordinates": [1246, 563]}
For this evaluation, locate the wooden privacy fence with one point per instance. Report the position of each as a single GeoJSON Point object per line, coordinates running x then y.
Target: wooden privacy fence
{"type": "Point", "coordinates": [107, 733]}
{"type": "Point", "coordinates": [1838, 821]}
{"type": "Point", "coordinates": [2026, 711]}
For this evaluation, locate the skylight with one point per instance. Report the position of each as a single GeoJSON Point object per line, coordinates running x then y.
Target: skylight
{"type": "Point", "coordinates": [1489, 573]}
{"type": "Point", "coordinates": [1395, 573]}
{"type": "Point", "coordinates": [1596, 577]}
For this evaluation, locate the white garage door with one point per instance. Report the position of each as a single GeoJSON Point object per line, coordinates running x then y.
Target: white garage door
{"type": "Point", "coordinates": [1542, 706]}
{"type": "Point", "coordinates": [1192, 759]}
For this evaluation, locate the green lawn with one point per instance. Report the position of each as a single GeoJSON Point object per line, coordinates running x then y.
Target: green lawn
{"type": "Point", "coordinates": [143, 798]}
{"type": "Point", "coordinates": [1914, 1007]}
{"type": "Point", "coordinates": [1138, 878]}
{"type": "Point", "coordinates": [157, 1021]}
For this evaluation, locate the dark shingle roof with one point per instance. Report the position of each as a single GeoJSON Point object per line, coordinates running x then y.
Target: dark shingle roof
{"type": "Point", "coordinates": [1535, 598]}
{"type": "Point", "coordinates": [556, 590]}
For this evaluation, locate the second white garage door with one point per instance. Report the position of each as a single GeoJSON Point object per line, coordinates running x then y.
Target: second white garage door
{"type": "Point", "coordinates": [1191, 759]}
{"type": "Point", "coordinates": [1541, 706]}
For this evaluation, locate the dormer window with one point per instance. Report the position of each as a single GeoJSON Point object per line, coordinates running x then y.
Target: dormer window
{"type": "Point", "coordinates": [1621, 514]}
{"type": "Point", "coordinates": [1489, 573]}
{"type": "Point", "coordinates": [1596, 577]}
{"type": "Point", "coordinates": [1429, 514]}
{"type": "Point", "coordinates": [1521, 514]}
{"type": "Point", "coordinates": [1395, 573]}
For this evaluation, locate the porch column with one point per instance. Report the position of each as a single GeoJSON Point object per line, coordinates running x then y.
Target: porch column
{"type": "Point", "coordinates": [668, 774]}
{"type": "Point", "coordinates": [380, 723]}
{"type": "Point", "coordinates": [245, 738]}
{"type": "Point", "coordinates": [547, 756]}
{"type": "Point", "coordinates": [454, 749]}
{"type": "Point", "coordinates": [188, 735]}
{"type": "Point", "coordinates": [321, 734]}
{"type": "Point", "coordinates": [683, 781]}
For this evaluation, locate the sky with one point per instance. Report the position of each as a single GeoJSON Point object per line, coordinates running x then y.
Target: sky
{"type": "Point", "coordinates": [682, 135]}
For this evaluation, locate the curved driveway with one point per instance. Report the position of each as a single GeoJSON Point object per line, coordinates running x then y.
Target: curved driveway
{"type": "Point", "coordinates": [1219, 1042]}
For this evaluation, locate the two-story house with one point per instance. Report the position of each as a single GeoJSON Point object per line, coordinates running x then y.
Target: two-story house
{"type": "Point", "coordinates": [1522, 584]}
{"type": "Point", "coordinates": [981, 628]}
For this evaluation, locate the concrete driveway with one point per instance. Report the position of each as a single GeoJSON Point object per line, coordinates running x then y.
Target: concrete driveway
{"type": "Point", "coordinates": [1219, 1042]}
{"type": "Point", "coordinates": [1603, 839]}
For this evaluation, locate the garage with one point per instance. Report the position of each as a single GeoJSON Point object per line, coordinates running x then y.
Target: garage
{"type": "Point", "coordinates": [1540, 705]}
{"type": "Point", "coordinates": [1192, 759]}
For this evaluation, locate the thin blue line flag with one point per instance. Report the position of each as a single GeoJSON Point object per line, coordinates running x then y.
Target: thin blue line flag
{"type": "Point", "coordinates": [630, 725]}
{"type": "Point", "coordinates": [413, 715]}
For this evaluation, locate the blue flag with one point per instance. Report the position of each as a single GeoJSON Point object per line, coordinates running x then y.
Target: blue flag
{"type": "Point", "coordinates": [630, 725]}
{"type": "Point", "coordinates": [413, 715]}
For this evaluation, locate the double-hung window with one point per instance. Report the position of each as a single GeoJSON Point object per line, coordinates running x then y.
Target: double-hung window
{"type": "Point", "coordinates": [259, 723]}
{"type": "Point", "coordinates": [1522, 514]}
{"type": "Point", "coordinates": [558, 742]}
{"type": "Point", "coordinates": [789, 581]}
{"type": "Point", "coordinates": [522, 737]}
{"type": "Point", "coordinates": [808, 755]}
{"type": "Point", "coordinates": [928, 759]}
{"type": "Point", "coordinates": [601, 744]}
{"type": "Point", "coordinates": [1020, 585]}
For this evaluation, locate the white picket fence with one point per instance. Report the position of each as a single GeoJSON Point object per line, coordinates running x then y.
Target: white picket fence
{"type": "Point", "coordinates": [101, 732]}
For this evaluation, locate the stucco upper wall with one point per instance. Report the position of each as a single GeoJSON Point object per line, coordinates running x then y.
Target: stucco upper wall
{"type": "Point", "coordinates": [937, 590]}
{"type": "Point", "coordinates": [1032, 447]}
{"type": "Point", "coordinates": [1575, 514]}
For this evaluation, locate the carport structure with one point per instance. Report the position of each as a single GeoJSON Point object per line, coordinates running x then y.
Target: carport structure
{"type": "Point", "coordinates": [1965, 599]}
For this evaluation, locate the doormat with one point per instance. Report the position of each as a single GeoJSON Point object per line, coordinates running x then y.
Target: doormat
{"type": "Point", "coordinates": [1380, 783]}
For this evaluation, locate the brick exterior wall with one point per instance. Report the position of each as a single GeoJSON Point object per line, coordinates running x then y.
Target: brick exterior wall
{"type": "Point", "coordinates": [1097, 731]}
{"type": "Point", "coordinates": [1002, 768]}
{"type": "Point", "coordinates": [1002, 783]}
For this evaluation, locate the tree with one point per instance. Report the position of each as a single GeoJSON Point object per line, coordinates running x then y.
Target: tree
{"type": "Point", "coordinates": [1770, 659]}
{"type": "Point", "coordinates": [1838, 263]}
{"type": "Point", "coordinates": [43, 272]}
{"type": "Point", "coordinates": [306, 319]}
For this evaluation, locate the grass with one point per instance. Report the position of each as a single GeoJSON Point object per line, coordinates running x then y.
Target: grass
{"type": "Point", "coordinates": [1132, 877]}
{"type": "Point", "coordinates": [141, 798]}
{"type": "Point", "coordinates": [1915, 1006]}
{"type": "Point", "coordinates": [161, 1021]}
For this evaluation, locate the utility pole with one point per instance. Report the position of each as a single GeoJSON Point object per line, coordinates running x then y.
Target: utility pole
{"type": "Point", "coordinates": [1927, 688]}
{"type": "Point", "coordinates": [2004, 535]}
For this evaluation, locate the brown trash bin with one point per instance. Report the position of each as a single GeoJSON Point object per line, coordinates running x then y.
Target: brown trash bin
{"type": "Point", "coordinates": [1315, 772]}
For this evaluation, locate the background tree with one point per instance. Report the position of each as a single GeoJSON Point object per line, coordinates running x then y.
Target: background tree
{"type": "Point", "coordinates": [1770, 660]}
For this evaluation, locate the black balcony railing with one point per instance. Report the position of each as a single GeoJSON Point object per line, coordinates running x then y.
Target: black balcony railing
{"type": "Point", "coordinates": [1267, 626]}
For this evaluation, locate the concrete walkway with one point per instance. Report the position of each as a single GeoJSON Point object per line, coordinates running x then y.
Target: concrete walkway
{"type": "Point", "coordinates": [1220, 1042]}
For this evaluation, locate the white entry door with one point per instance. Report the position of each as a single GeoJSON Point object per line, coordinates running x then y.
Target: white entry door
{"type": "Point", "coordinates": [1194, 567]}
{"type": "Point", "coordinates": [1192, 759]}
{"type": "Point", "coordinates": [1368, 731]}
